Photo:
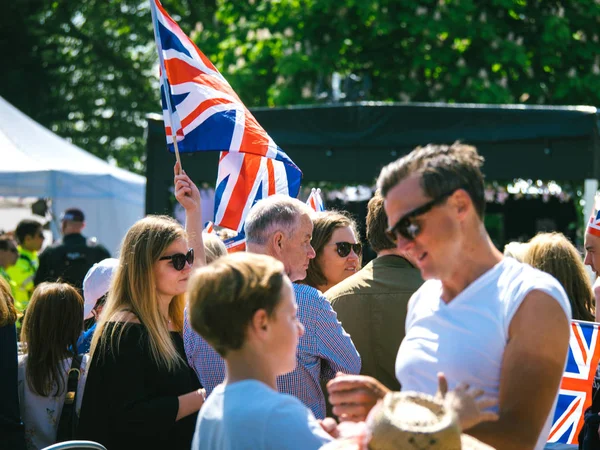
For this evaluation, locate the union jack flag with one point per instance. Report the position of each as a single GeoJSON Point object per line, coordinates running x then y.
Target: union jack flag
{"type": "Point", "coordinates": [575, 389]}
{"type": "Point", "coordinates": [207, 115]}
{"type": "Point", "coordinates": [315, 201]}
{"type": "Point", "coordinates": [236, 244]}
{"type": "Point", "coordinates": [209, 228]}
{"type": "Point", "coordinates": [594, 224]}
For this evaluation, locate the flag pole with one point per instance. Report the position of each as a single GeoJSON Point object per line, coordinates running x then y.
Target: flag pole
{"type": "Point", "coordinates": [163, 75]}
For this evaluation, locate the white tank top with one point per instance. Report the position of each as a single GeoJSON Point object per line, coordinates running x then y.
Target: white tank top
{"type": "Point", "coordinates": [466, 338]}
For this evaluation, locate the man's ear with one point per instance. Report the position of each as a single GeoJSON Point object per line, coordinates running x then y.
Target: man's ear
{"type": "Point", "coordinates": [463, 203]}
{"type": "Point", "coordinates": [277, 242]}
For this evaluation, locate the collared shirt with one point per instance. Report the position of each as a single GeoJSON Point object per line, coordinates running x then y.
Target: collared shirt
{"type": "Point", "coordinates": [324, 350]}
{"type": "Point", "coordinates": [372, 304]}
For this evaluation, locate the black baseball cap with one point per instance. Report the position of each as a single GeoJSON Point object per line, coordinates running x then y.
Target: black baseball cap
{"type": "Point", "coordinates": [74, 214]}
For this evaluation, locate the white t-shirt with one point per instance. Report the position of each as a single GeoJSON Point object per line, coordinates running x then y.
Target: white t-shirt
{"type": "Point", "coordinates": [466, 338]}
{"type": "Point", "coordinates": [250, 415]}
{"type": "Point", "coordinates": [41, 415]}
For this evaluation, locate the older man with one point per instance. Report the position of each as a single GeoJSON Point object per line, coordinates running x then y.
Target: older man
{"type": "Point", "coordinates": [492, 322]}
{"type": "Point", "coordinates": [281, 227]}
{"type": "Point", "coordinates": [371, 304]}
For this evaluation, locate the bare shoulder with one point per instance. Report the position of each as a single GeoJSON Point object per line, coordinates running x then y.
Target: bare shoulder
{"type": "Point", "coordinates": [539, 314]}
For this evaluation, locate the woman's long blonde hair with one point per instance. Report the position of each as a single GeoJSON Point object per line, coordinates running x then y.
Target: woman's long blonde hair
{"type": "Point", "coordinates": [133, 289]}
{"type": "Point", "coordinates": [554, 254]}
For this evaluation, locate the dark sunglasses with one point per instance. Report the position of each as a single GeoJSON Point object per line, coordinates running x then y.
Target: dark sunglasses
{"type": "Point", "coordinates": [405, 226]}
{"type": "Point", "coordinates": [179, 259]}
{"type": "Point", "coordinates": [343, 248]}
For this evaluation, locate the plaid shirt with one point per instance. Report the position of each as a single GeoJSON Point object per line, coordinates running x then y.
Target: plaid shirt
{"type": "Point", "coordinates": [324, 350]}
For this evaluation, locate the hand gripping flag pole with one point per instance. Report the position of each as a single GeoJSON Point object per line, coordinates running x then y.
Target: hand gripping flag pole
{"type": "Point", "coordinates": [165, 81]}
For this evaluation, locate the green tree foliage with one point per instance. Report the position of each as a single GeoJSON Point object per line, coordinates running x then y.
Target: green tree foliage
{"type": "Point", "coordinates": [498, 51]}
{"type": "Point", "coordinates": [88, 69]}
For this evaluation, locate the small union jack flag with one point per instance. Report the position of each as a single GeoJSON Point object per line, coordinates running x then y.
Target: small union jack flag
{"type": "Point", "coordinates": [207, 115]}
{"type": "Point", "coordinates": [576, 386]}
{"type": "Point", "coordinates": [315, 201]}
{"type": "Point", "coordinates": [594, 224]}
{"type": "Point", "coordinates": [236, 244]}
{"type": "Point", "coordinates": [209, 228]}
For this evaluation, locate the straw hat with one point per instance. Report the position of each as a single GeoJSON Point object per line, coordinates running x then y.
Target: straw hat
{"type": "Point", "coordinates": [411, 420]}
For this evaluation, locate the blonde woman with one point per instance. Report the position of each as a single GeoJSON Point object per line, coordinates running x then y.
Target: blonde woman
{"type": "Point", "coordinates": [553, 253]}
{"type": "Point", "coordinates": [140, 391]}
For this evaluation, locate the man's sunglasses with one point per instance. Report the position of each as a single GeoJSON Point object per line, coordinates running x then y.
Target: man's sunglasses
{"type": "Point", "coordinates": [343, 248]}
{"type": "Point", "coordinates": [405, 226]}
{"type": "Point", "coordinates": [179, 259]}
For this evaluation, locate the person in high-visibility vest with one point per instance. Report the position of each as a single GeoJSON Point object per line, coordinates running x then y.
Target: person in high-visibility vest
{"type": "Point", "coordinates": [30, 237]}
{"type": "Point", "coordinates": [8, 258]}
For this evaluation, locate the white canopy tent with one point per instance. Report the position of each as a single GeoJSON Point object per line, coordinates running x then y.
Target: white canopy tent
{"type": "Point", "coordinates": [34, 162]}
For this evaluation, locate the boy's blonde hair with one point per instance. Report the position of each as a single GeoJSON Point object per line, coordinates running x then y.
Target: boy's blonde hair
{"type": "Point", "coordinates": [224, 296]}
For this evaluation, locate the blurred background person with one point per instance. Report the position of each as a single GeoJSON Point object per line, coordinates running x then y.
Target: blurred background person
{"type": "Point", "coordinates": [69, 258]}
{"type": "Point", "coordinates": [30, 236]}
{"type": "Point", "coordinates": [338, 252]}
{"type": "Point", "coordinates": [515, 250]}
{"type": "Point", "coordinates": [95, 289]}
{"type": "Point", "coordinates": [11, 427]}
{"type": "Point", "coordinates": [52, 324]}
{"type": "Point", "coordinates": [372, 304]}
{"type": "Point", "coordinates": [214, 247]}
{"type": "Point", "coordinates": [140, 392]}
{"type": "Point", "coordinates": [8, 258]}
{"type": "Point", "coordinates": [553, 253]}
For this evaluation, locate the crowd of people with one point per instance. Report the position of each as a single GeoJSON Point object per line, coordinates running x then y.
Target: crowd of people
{"type": "Point", "coordinates": [442, 341]}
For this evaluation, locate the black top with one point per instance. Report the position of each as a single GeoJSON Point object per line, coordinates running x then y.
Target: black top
{"type": "Point", "coordinates": [69, 259]}
{"type": "Point", "coordinates": [11, 428]}
{"type": "Point", "coordinates": [129, 402]}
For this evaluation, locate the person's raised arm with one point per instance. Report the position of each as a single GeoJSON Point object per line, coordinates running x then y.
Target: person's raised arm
{"type": "Point", "coordinates": [188, 196]}
{"type": "Point", "coordinates": [532, 368]}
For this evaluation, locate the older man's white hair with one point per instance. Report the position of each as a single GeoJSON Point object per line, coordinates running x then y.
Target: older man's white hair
{"type": "Point", "coordinates": [275, 213]}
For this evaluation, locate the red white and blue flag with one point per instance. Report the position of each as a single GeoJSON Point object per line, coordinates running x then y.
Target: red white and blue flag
{"type": "Point", "coordinates": [594, 224]}
{"type": "Point", "coordinates": [209, 228]}
{"type": "Point", "coordinates": [207, 115]}
{"type": "Point", "coordinates": [315, 201]}
{"type": "Point", "coordinates": [575, 393]}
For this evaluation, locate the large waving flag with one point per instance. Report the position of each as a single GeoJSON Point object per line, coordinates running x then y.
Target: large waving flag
{"type": "Point", "coordinates": [204, 113]}
{"type": "Point", "coordinates": [576, 386]}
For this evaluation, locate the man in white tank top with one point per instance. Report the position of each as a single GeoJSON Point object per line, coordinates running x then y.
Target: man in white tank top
{"type": "Point", "coordinates": [494, 323]}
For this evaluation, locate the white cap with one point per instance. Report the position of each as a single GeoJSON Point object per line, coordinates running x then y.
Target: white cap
{"type": "Point", "coordinates": [96, 283]}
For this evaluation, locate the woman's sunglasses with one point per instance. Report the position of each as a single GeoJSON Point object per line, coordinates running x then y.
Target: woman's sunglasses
{"type": "Point", "coordinates": [406, 227]}
{"type": "Point", "coordinates": [343, 248]}
{"type": "Point", "coordinates": [179, 259]}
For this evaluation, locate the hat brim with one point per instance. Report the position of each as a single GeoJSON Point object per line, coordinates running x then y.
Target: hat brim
{"type": "Point", "coordinates": [470, 443]}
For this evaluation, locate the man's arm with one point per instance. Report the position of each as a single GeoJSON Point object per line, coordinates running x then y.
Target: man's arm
{"type": "Point", "coordinates": [532, 368]}
{"type": "Point", "coordinates": [335, 345]}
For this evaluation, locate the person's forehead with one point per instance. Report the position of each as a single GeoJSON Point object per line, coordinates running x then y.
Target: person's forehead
{"type": "Point", "coordinates": [592, 241]}
{"type": "Point", "coordinates": [177, 245]}
{"type": "Point", "coordinates": [305, 225]}
{"type": "Point", "coordinates": [403, 198]}
{"type": "Point", "coordinates": [342, 234]}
